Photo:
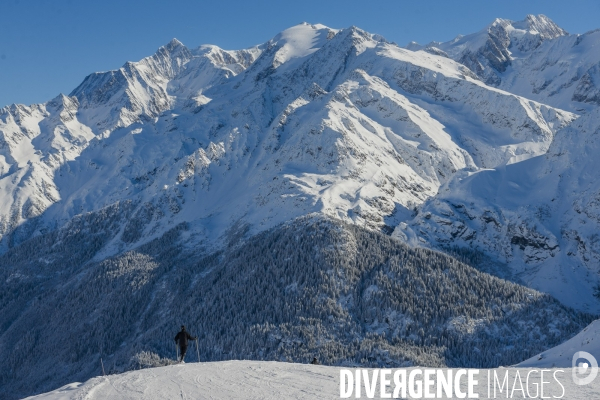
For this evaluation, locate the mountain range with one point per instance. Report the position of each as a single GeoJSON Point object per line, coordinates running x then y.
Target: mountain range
{"type": "Point", "coordinates": [481, 147]}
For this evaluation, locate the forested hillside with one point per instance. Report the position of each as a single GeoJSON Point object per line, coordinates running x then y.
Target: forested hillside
{"type": "Point", "coordinates": [312, 287]}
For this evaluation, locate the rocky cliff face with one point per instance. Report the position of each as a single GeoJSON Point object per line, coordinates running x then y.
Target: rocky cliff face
{"type": "Point", "coordinates": [491, 51]}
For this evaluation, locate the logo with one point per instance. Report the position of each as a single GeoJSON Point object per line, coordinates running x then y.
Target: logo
{"type": "Point", "coordinates": [584, 372]}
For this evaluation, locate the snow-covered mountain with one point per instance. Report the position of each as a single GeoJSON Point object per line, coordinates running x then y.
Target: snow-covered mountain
{"type": "Point", "coordinates": [535, 220]}
{"type": "Point", "coordinates": [539, 217]}
{"type": "Point", "coordinates": [316, 119]}
{"type": "Point", "coordinates": [40, 143]}
{"type": "Point", "coordinates": [140, 91]}
{"type": "Point", "coordinates": [151, 181]}
{"type": "Point", "coordinates": [492, 50]}
{"type": "Point", "coordinates": [533, 58]}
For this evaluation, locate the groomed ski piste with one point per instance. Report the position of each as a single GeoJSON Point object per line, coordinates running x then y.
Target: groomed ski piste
{"type": "Point", "coordinates": [281, 380]}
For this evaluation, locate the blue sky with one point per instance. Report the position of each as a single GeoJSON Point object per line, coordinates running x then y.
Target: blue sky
{"type": "Point", "coordinates": [49, 46]}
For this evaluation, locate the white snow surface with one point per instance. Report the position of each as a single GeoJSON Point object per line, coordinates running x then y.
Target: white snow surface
{"type": "Point", "coordinates": [298, 42]}
{"type": "Point", "coordinates": [265, 380]}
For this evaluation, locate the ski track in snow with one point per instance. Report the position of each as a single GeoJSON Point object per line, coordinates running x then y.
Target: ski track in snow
{"type": "Point", "coordinates": [262, 380]}
{"type": "Point", "coordinates": [218, 380]}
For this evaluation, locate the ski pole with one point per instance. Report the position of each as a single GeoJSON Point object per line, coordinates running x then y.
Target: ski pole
{"type": "Point", "coordinates": [197, 351]}
{"type": "Point", "coordinates": [176, 352]}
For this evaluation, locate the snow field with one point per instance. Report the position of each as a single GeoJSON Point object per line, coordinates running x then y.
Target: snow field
{"type": "Point", "coordinates": [280, 380]}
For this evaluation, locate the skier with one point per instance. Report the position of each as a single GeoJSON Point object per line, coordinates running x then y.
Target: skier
{"type": "Point", "coordinates": [314, 361]}
{"type": "Point", "coordinates": [182, 339]}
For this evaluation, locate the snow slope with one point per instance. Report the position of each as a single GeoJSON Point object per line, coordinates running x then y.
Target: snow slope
{"type": "Point", "coordinates": [38, 142]}
{"type": "Point", "coordinates": [263, 380]}
{"type": "Point", "coordinates": [539, 217]}
{"type": "Point", "coordinates": [532, 220]}
{"type": "Point", "coordinates": [217, 380]}
{"type": "Point", "coordinates": [561, 356]}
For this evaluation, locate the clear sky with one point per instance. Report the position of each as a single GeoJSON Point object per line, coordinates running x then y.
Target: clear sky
{"type": "Point", "coordinates": [47, 47]}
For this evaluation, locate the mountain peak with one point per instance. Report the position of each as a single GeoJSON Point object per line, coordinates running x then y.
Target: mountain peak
{"type": "Point", "coordinates": [62, 100]}
{"type": "Point", "coordinates": [414, 46]}
{"type": "Point", "coordinates": [300, 32]}
{"type": "Point", "coordinates": [491, 51]}
{"type": "Point", "coordinates": [500, 21]}
{"type": "Point", "coordinates": [540, 25]}
{"type": "Point", "coordinates": [299, 41]}
{"type": "Point", "coordinates": [173, 46]}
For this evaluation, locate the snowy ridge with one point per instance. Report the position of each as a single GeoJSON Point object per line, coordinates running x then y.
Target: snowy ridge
{"type": "Point", "coordinates": [490, 51]}
{"type": "Point", "coordinates": [294, 44]}
{"type": "Point", "coordinates": [38, 140]}
{"type": "Point", "coordinates": [142, 90]}
{"type": "Point", "coordinates": [253, 380]}
{"type": "Point", "coordinates": [560, 72]}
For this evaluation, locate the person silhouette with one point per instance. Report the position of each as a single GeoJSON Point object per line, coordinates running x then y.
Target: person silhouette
{"type": "Point", "coordinates": [182, 340]}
